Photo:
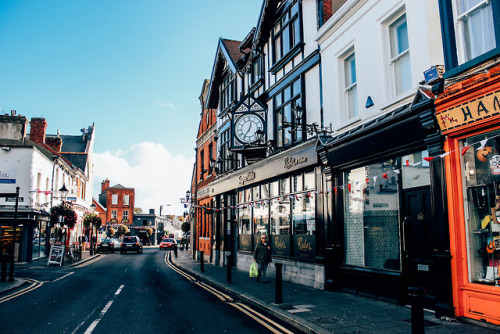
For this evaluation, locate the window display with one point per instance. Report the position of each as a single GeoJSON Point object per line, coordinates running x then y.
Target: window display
{"type": "Point", "coordinates": [372, 216]}
{"type": "Point", "coordinates": [481, 173]}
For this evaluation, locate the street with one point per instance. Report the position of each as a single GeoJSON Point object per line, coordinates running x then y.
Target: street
{"type": "Point", "coordinates": [131, 293]}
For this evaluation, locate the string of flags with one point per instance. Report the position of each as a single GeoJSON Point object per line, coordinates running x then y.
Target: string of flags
{"type": "Point", "coordinates": [307, 195]}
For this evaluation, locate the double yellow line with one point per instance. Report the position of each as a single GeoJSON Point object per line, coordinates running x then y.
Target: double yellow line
{"type": "Point", "coordinates": [271, 325]}
{"type": "Point", "coordinates": [100, 256]}
{"type": "Point", "coordinates": [33, 284]}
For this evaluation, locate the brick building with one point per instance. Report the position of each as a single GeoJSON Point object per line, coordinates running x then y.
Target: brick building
{"type": "Point", "coordinates": [205, 174]}
{"type": "Point", "coordinates": [119, 203]}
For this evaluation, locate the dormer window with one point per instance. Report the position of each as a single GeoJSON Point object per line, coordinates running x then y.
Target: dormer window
{"type": "Point", "coordinates": [286, 33]}
{"type": "Point", "coordinates": [227, 91]}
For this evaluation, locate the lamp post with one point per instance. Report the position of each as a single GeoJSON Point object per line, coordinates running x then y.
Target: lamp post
{"type": "Point", "coordinates": [92, 207]}
{"type": "Point", "coordinates": [64, 193]}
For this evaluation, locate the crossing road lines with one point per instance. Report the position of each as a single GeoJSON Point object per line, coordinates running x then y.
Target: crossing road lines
{"type": "Point", "coordinates": [270, 324]}
{"type": "Point", "coordinates": [32, 285]}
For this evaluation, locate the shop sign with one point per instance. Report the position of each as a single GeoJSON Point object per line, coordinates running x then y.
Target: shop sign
{"type": "Point", "coordinates": [483, 107]}
{"type": "Point", "coordinates": [304, 246]}
{"type": "Point", "coordinates": [56, 255]}
{"type": "Point", "coordinates": [13, 199]}
{"type": "Point", "coordinates": [8, 176]}
{"type": "Point", "coordinates": [290, 162]}
{"type": "Point", "coordinates": [247, 177]}
{"type": "Point", "coordinates": [245, 242]}
{"type": "Point", "coordinates": [281, 245]}
{"type": "Point", "coordinates": [203, 192]}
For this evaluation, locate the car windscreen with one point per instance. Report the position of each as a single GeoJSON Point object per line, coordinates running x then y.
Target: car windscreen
{"type": "Point", "coordinates": [129, 240]}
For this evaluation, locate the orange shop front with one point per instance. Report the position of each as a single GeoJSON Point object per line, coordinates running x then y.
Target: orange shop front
{"type": "Point", "coordinates": [468, 113]}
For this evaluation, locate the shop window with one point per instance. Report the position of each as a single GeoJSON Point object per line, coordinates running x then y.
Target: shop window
{"type": "Point", "coordinates": [285, 186]}
{"type": "Point", "coordinates": [256, 193]}
{"type": "Point", "coordinates": [371, 217]}
{"type": "Point", "coordinates": [304, 214]}
{"type": "Point", "coordinates": [400, 55]}
{"type": "Point", "coordinates": [264, 190]}
{"type": "Point", "coordinates": [297, 183]}
{"type": "Point", "coordinates": [261, 217]}
{"type": "Point", "coordinates": [245, 228]}
{"type": "Point", "coordinates": [273, 188]}
{"type": "Point", "coordinates": [416, 170]}
{"type": "Point", "coordinates": [309, 180]}
{"type": "Point", "coordinates": [36, 242]}
{"type": "Point", "coordinates": [280, 216]}
{"type": "Point", "coordinates": [481, 174]}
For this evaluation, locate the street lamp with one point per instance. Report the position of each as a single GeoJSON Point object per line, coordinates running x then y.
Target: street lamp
{"type": "Point", "coordinates": [64, 192]}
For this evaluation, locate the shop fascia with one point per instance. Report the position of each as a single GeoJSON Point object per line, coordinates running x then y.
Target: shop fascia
{"type": "Point", "coordinates": [294, 159]}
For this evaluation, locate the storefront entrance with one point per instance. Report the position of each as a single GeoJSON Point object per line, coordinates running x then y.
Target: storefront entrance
{"type": "Point", "coordinates": [417, 234]}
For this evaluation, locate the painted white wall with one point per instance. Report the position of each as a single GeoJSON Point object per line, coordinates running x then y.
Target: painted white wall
{"type": "Point", "coordinates": [365, 28]}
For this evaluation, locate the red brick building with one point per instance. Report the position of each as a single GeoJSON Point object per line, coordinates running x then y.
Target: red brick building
{"type": "Point", "coordinates": [206, 148]}
{"type": "Point", "coordinates": [119, 203]}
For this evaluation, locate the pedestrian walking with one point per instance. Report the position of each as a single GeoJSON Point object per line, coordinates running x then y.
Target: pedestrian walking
{"type": "Point", "coordinates": [85, 239]}
{"type": "Point", "coordinates": [262, 256]}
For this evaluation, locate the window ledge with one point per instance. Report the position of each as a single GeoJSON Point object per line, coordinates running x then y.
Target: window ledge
{"type": "Point", "coordinates": [285, 59]}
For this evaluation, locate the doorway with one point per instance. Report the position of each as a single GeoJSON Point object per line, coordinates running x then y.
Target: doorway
{"type": "Point", "coordinates": [417, 233]}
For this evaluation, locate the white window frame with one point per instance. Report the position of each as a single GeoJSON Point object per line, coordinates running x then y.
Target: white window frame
{"type": "Point", "coordinates": [114, 199]}
{"type": "Point", "coordinates": [395, 58]}
{"type": "Point", "coordinates": [114, 214]}
{"type": "Point", "coordinates": [125, 214]}
{"type": "Point", "coordinates": [460, 34]}
{"type": "Point", "coordinates": [349, 87]}
{"type": "Point", "coordinates": [126, 199]}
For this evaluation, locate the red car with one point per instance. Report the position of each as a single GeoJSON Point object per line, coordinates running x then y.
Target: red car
{"type": "Point", "coordinates": [167, 244]}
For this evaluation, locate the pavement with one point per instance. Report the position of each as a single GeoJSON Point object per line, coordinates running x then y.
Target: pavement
{"type": "Point", "coordinates": [317, 311]}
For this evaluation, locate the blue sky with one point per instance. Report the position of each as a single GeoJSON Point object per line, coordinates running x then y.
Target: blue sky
{"type": "Point", "coordinates": [134, 68]}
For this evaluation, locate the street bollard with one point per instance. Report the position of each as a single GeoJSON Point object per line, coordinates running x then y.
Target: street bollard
{"type": "Point", "coordinates": [229, 265]}
{"type": "Point", "coordinates": [11, 271]}
{"type": "Point", "coordinates": [175, 250]}
{"type": "Point", "coordinates": [202, 262]}
{"type": "Point", "coordinates": [417, 296]}
{"type": "Point", "coordinates": [279, 283]}
{"type": "Point", "coordinates": [4, 267]}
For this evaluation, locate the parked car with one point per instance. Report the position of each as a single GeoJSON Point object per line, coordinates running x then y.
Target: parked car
{"type": "Point", "coordinates": [105, 245]}
{"type": "Point", "coordinates": [117, 242]}
{"type": "Point", "coordinates": [167, 243]}
{"type": "Point", "coordinates": [131, 243]}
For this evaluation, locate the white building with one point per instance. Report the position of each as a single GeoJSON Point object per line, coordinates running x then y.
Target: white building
{"type": "Point", "coordinates": [41, 165]}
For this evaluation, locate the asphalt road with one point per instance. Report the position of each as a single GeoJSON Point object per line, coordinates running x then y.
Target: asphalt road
{"type": "Point", "coordinates": [130, 293]}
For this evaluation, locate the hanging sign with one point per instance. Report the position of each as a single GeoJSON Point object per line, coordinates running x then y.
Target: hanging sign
{"type": "Point", "coordinates": [56, 255]}
{"type": "Point", "coordinates": [479, 108]}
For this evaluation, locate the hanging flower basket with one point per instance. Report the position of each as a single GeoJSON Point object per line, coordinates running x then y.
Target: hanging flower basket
{"type": "Point", "coordinates": [66, 212]}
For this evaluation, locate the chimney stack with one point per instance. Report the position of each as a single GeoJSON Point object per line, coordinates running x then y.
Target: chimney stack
{"type": "Point", "coordinates": [38, 127]}
{"type": "Point", "coordinates": [104, 185]}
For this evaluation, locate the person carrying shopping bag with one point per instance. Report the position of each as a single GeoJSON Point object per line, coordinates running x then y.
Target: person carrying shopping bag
{"type": "Point", "coordinates": [262, 256]}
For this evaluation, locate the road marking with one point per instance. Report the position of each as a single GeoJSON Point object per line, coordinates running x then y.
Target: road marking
{"type": "Point", "coordinates": [260, 318]}
{"type": "Point", "coordinates": [71, 273]}
{"type": "Point", "coordinates": [100, 256]}
{"type": "Point", "coordinates": [94, 323]}
{"type": "Point", "coordinates": [264, 321]}
{"type": "Point", "coordinates": [34, 285]}
{"type": "Point", "coordinates": [301, 308]}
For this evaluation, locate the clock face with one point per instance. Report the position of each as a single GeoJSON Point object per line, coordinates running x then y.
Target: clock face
{"type": "Point", "coordinates": [246, 127]}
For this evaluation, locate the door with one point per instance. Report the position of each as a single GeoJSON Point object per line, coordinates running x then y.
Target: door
{"type": "Point", "coordinates": [417, 241]}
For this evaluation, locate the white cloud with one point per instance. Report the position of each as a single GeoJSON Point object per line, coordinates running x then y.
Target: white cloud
{"type": "Point", "coordinates": [158, 177]}
{"type": "Point", "coordinates": [166, 105]}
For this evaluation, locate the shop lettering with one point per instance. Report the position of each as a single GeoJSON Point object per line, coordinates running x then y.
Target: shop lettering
{"type": "Point", "coordinates": [279, 243]}
{"type": "Point", "coordinates": [289, 162]}
{"type": "Point", "coordinates": [475, 110]}
{"type": "Point", "coordinates": [247, 177]}
{"type": "Point", "coordinates": [4, 175]}
{"type": "Point", "coordinates": [304, 245]}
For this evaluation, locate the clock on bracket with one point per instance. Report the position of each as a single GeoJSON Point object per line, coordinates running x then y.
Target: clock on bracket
{"type": "Point", "coordinates": [246, 127]}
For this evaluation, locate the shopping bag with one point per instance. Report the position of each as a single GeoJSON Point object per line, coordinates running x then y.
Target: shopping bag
{"type": "Point", "coordinates": [253, 270]}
